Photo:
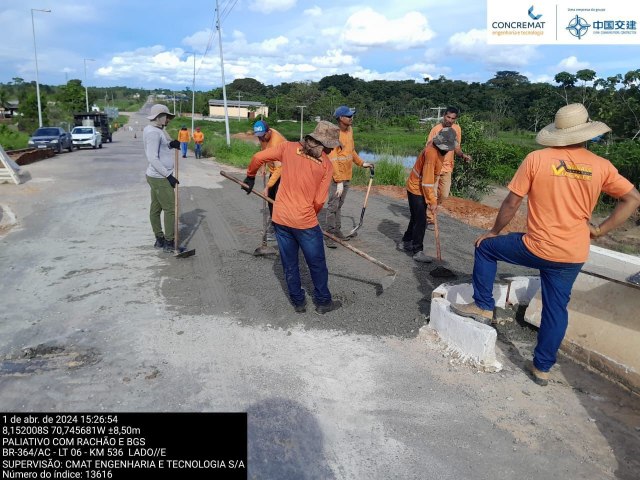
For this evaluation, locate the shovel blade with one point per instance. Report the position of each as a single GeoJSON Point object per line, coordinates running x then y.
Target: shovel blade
{"type": "Point", "coordinates": [185, 253]}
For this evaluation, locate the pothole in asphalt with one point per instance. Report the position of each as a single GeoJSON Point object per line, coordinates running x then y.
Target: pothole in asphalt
{"type": "Point", "coordinates": [46, 357]}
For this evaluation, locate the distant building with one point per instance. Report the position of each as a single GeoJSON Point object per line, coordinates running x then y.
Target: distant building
{"type": "Point", "coordinates": [237, 109]}
{"type": "Point", "coordinates": [9, 108]}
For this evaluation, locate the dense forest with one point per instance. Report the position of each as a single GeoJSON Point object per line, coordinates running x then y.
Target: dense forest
{"type": "Point", "coordinates": [509, 101]}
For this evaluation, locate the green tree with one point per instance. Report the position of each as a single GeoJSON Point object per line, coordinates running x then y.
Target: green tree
{"type": "Point", "coordinates": [72, 97]}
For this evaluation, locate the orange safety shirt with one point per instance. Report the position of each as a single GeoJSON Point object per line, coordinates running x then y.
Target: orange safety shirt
{"type": "Point", "coordinates": [422, 176]}
{"type": "Point", "coordinates": [275, 168]}
{"type": "Point", "coordinates": [183, 136]}
{"type": "Point", "coordinates": [342, 158]}
{"type": "Point", "coordinates": [449, 158]}
{"type": "Point", "coordinates": [304, 185]}
{"type": "Point", "coordinates": [563, 185]}
{"type": "Point", "coordinates": [198, 137]}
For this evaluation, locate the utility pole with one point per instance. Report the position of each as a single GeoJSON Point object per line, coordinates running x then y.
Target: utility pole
{"type": "Point", "coordinates": [35, 52]}
{"type": "Point", "coordinates": [174, 102]}
{"type": "Point", "coordinates": [193, 94]}
{"type": "Point", "coordinates": [224, 89]}
{"type": "Point", "coordinates": [86, 89]}
{"type": "Point", "coordinates": [301, 107]}
{"type": "Point", "coordinates": [239, 97]}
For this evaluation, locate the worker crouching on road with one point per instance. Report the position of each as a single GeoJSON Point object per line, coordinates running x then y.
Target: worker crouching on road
{"type": "Point", "coordinates": [304, 185]}
{"type": "Point", "coordinates": [342, 159]}
{"type": "Point", "coordinates": [157, 148]}
{"type": "Point", "coordinates": [563, 184]}
{"type": "Point", "coordinates": [421, 190]}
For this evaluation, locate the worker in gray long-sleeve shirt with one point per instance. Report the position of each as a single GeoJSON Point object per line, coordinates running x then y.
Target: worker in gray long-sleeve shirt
{"type": "Point", "coordinates": [157, 148]}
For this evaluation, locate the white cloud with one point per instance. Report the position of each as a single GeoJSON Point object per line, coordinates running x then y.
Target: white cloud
{"type": "Point", "coordinates": [368, 28]}
{"type": "Point", "coordinates": [473, 45]}
{"type": "Point", "coordinates": [315, 11]}
{"type": "Point", "coordinates": [269, 6]}
{"type": "Point", "coordinates": [199, 40]}
{"type": "Point", "coordinates": [572, 64]}
{"type": "Point", "coordinates": [333, 58]}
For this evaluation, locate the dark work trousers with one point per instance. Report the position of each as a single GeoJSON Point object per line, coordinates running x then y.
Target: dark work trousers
{"type": "Point", "coordinates": [272, 195]}
{"type": "Point", "coordinates": [417, 222]}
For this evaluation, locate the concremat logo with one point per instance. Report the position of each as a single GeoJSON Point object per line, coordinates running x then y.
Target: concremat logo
{"type": "Point", "coordinates": [563, 22]}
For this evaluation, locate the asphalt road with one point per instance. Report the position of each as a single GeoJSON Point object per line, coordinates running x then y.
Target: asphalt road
{"type": "Point", "coordinates": [94, 319]}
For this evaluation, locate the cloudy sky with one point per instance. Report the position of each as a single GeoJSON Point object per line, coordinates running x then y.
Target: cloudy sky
{"type": "Point", "coordinates": [151, 44]}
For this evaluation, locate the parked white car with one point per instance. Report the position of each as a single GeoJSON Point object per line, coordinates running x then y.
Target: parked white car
{"type": "Point", "coordinates": [86, 137]}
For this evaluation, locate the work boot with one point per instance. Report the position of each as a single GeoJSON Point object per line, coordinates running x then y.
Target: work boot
{"type": "Point", "coordinates": [538, 376]}
{"type": "Point", "coordinates": [169, 246]}
{"type": "Point", "coordinates": [328, 307]}
{"type": "Point", "coordinates": [421, 257]}
{"type": "Point", "coordinates": [339, 234]}
{"type": "Point", "coordinates": [471, 310]}
{"type": "Point", "coordinates": [301, 308]}
{"type": "Point", "coordinates": [159, 242]}
{"type": "Point", "coordinates": [330, 243]}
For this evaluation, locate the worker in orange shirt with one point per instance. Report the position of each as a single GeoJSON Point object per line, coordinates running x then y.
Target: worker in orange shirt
{"type": "Point", "coordinates": [562, 184]}
{"type": "Point", "coordinates": [421, 190]}
{"type": "Point", "coordinates": [198, 139]}
{"type": "Point", "coordinates": [183, 138]}
{"type": "Point", "coordinates": [270, 137]}
{"type": "Point", "coordinates": [443, 180]}
{"type": "Point", "coordinates": [342, 158]}
{"type": "Point", "coordinates": [304, 185]}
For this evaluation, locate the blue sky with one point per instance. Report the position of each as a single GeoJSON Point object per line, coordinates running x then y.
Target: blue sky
{"type": "Point", "coordinates": [151, 44]}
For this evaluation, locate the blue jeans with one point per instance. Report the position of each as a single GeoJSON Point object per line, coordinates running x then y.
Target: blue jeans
{"type": "Point", "coordinates": [556, 280]}
{"type": "Point", "coordinates": [183, 147]}
{"type": "Point", "coordinates": [198, 150]}
{"type": "Point", "coordinates": [290, 241]}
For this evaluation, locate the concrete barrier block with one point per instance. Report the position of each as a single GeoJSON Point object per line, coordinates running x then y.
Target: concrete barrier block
{"type": "Point", "coordinates": [463, 293]}
{"type": "Point", "coordinates": [472, 341]}
{"type": "Point", "coordinates": [521, 290]}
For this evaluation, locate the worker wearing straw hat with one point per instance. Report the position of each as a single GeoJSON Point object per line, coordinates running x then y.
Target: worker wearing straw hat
{"type": "Point", "coordinates": [562, 184]}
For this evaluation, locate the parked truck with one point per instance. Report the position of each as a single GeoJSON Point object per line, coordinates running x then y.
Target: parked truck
{"type": "Point", "coordinates": [94, 119]}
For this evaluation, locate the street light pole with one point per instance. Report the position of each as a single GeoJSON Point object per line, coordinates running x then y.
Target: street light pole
{"type": "Point", "coordinates": [224, 89]}
{"type": "Point", "coordinates": [193, 94]}
{"type": "Point", "coordinates": [86, 89]}
{"type": "Point", "coordinates": [301, 107]}
{"type": "Point", "coordinates": [35, 52]}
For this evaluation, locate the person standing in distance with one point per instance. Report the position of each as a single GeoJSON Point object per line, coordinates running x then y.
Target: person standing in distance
{"type": "Point", "coordinates": [198, 139]}
{"type": "Point", "coordinates": [157, 148]}
{"type": "Point", "coordinates": [183, 138]}
{"type": "Point", "coordinates": [304, 185]}
{"type": "Point", "coordinates": [342, 158]}
{"type": "Point", "coordinates": [443, 180]}
{"type": "Point", "coordinates": [563, 184]}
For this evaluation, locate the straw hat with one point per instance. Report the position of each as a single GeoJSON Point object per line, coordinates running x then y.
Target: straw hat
{"type": "Point", "coordinates": [327, 134]}
{"type": "Point", "coordinates": [571, 126]}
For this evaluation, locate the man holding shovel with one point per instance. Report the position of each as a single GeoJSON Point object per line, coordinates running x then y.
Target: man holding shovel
{"type": "Point", "coordinates": [420, 190]}
{"type": "Point", "coordinates": [270, 137]}
{"type": "Point", "coordinates": [304, 185]}
{"type": "Point", "coordinates": [563, 184]}
{"type": "Point", "coordinates": [157, 148]}
{"type": "Point", "coordinates": [342, 159]}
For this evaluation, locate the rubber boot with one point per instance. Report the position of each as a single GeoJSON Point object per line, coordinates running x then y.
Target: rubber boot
{"type": "Point", "coordinates": [169, 246]}
{"type": "Point", "coordinates": [159, 242]}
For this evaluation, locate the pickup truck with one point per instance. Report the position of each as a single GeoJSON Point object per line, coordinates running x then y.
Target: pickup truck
{"type": "Point", "coordinates": [55, 138]}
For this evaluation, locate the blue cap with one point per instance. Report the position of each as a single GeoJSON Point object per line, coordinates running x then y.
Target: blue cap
{"type": "Point", "coordinates": [344, 111]}
{"type": "Point", "coordinates": [260, 128]}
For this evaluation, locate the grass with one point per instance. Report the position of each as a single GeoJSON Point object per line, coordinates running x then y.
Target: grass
{"type": "Point", "coordinates": [11, 139]}
{"type": "Point", "coordinates": [387, 172]}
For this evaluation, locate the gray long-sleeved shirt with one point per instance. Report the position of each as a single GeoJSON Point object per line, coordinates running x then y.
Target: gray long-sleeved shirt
{"type": "Point", "coordinates": [159, 155]}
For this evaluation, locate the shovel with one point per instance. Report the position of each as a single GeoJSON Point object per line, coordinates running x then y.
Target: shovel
{"type": "Point", "coordinates": [264, 249]}
{"type": "Point", "coordinates": [178, 252]}
{"type": "Point", "coordinates": [385, 282]}
{"type": "Point", "coordinates": [364, 207]}
{"type": "Point", "coordinates": [439, 271]}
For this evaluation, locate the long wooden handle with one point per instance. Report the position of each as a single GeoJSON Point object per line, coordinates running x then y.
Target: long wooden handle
{"type": "Point", "coordinates": [326, 234]}
{"type": "Point", "coordinates": [437, 231]}
{"type": "Point", "coordinates": [176, 221]}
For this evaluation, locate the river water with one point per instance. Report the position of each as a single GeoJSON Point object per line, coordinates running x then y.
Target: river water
{"type": "Point", "coordinates": [374, 157]}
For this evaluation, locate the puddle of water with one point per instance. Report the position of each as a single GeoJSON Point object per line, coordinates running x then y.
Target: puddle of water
{"type": "Point", "coordinates": [406, 161]}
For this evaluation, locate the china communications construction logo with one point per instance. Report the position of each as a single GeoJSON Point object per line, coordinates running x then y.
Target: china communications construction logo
{"type": "Point", "coordinates": [578, 27]}
{"type": "Point", "coordinates": [564, 22]}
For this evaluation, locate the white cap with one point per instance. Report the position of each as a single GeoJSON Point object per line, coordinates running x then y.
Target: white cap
{"type": "Point", "coordinates": [159, 109]}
